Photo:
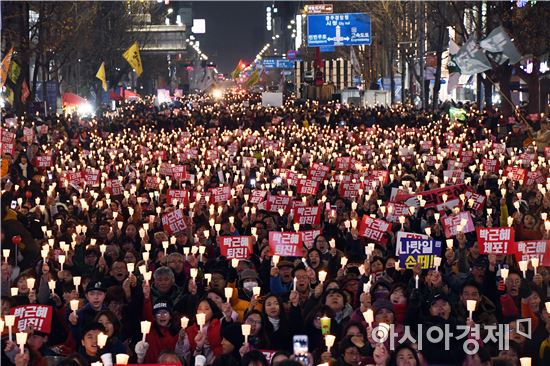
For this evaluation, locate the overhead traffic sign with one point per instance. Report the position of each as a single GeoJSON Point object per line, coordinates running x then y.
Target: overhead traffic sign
{"type": "Point", "coordinates": [346, 29]}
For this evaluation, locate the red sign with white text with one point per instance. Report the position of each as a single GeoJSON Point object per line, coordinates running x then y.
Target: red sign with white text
{"type": "Point", "coordinates": [285, 244]}
{"type": "Point", "coordinates": [498, 240]}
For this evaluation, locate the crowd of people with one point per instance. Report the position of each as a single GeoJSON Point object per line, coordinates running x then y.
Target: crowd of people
{"type": "Point", "coordinates": [222, 232]}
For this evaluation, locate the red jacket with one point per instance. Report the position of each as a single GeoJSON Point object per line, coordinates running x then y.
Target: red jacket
{"type": "Point", "coordinates": [159, 338]}
{"type": "Point", "coordinates": [213, 334]}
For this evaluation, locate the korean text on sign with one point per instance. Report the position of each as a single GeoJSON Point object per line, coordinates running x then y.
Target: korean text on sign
{"type": "Point", "coordinates": [309, 215]}
{"type": "Point", "coordinates": [235, 246]}
{"type": "Point", "coordinates": [532, 249]}
{"type": "Point", "coordinates": [373, 229]}
{"type": "Point", "coordinates": [38, 317]}
{"type": "Point", "coordinates": [413, 251]}
{"type": "Point", "coordinates": [309, 236]}
{"type": "Point", "coordinates": [285, 244]}
{"type": "Point", "coordinates": [174, 222]}
{"type": "Point", "coordinates": [499, 240]}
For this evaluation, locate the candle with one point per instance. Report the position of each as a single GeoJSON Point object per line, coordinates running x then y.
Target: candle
{"type": "Point", "coordinates": [201, 319]}
{"type": "Point", "coordinates": [30, 283]}
{"type": "Point", "coordinates": [228, 293]}
{"type": "Point", "coordinates": [208, 278]}
{"type": "Point", "coordinates": [147, 277]}
{"type": "Point", "coordinates": [329, 341]}
{"type": "Point", "coordinates": [366, 287]}
{"type": "Point", "coordinates": [504, 273]}
{"type": "Point", "coordinates": [76, 282]}
{"type": "Point", "coordinates": [256, 290]}
{"type": "Point", "coordinates": [234, 262]}
{"type": "Point", "coordinates": [122, 359]}
{"type": "Point", "coordinates": [547, 304]}
{"type": "Point", "coordinates": [102, 339]}
{"type": "Point", "coordinates": [61, 259]}
{"type": "Point", "coordinates": [74, 305]}
{"type": "Point", "coordinates": [535, 264]}
{"type": "Point", "coordinates": [102, 249]}
{"type": "Point", "coordinates": [194, 272]}
{"type": "Point", "coordinates": [275, 259]}
{"type": "Point", "coordinates": [51, 285]}
{"type": "Point", "coordinates": [21, 340]}
{"type": "Point", "coordinates": [450, 243]}
{"type": "Point", "coordinates": [184, 322]}
{"type": "Point", "coordinates": [14, 291]}
{"type": "Point", "coordinates": [297, 226]}
{"type": "Point", "coordinates": [343, 261]}
{"type": "Point", "coordinates": [325, 325]}
{"type": "Point", "coordinates": [416, 281]}
{"type": "Point", "coordinates": [523, 267]}
{"type": "Point", "coordinates": [145, 328]}
{"type": "Point", "coordinates": [369, 317]}
{"type": "Point", "coordinates": [294, 284]}
{"type": "Point", "coordinates": [6, 254]}
{"type": "Point", "coordinates": [471, 307]}
{"type": "Point", "coordinates": [525, 361]}
{"type": "Point", "coordinates": [10, 322]}
{"type": "Point", "coordinates": [245, 328]}
{"type": "Point", "coordinates": [130, 267]}
{"type": "Point", "coordinates": [322, 276]}
{"type": "Point", "coordinates": [437, 262]}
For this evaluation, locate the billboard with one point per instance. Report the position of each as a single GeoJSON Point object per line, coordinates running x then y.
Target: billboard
{"type": "Point", "coordinates": [345, 29]}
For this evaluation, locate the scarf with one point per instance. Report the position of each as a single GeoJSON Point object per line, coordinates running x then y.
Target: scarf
{"type": "Point", "coordinates": [23, 169]}
{"type": "Point", "coordinates": [275, 323]}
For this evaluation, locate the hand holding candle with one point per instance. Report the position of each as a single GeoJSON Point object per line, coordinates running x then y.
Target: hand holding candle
{"type": "Point", "coordinates": [246, 328]}
{"type": "Point", "coordinates": [21, 340]}
{"type": "Point", "coordinates": [145, 328]}
{"type": "Point", "coordinates": [10, 322]}
{"type": "Point", "coordinates": [471, 307]}
{"type": "Point", "coordinates": [201, 320]}
{"type": "Point", "coordinates": [184, 322]}
{"type": "Point", "coordinates": [322, 276]}
{"type": "Point", "coordinates": [329, 341]}
{"type": "Point", "coordinates": [228, 293]}
{"type": "Point", "coordinates": [369, 317]}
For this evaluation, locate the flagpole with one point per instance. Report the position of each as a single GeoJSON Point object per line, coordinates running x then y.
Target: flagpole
{"type": "Point", "coordinates": [506, 98]}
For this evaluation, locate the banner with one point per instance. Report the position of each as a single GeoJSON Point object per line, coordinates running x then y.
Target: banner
{"type": "Point", "coordinates": [220, 194]}
{"type": "Point", "coordinates": [454, 176]}
{"type": "Point", "coordinates": [14, 72]}
{"type": "Point", "coordinates": [318, 172]}
{"type": "Point", "coordinates": [476, 200]}
{"type": "Point", "coordinates": [451, 224]}
{"type": "Point", "coordinates": [180, 195]}
{"type": "Point", "coordinates": [310, 215]}
{"type": "Point", "coordinates": [499, 240]}
{"type": "Point", "coordinates": [44, 161]}
{"type": "Point", "coordinates": [114, 187]}
{"type": "Point", "coordinates": [349, 190]}
{"type": "Point", "coordinates": [152, 182]}
{"type": "Point", "coordinates": [490, 165]}
{"type": "Point", "coordinates": [307, 186]}
{"type": "Point", "coordinates": [535, 177]}
{"type": "Point", "coordinates": [37, 316]}
{"type": "Point", "coordinates": [173, 222]}
{"type": "Point", "coordinates": [373, 229]}
{"type": "Point", "coordinates": [274, 203]}
{"type": "Point", "coordinates": [401, 235]}
{"type": "Point", "coordinates": [257, 196]}
{"type": "Point", "coordinates": [309, 236]}
{"type": "Point", "coordinates": [498, 42]}
{"type": "Point", "coordinates": [132, 56]}
{"type": "Point", "coordinates": [235, 246]}
{"type": "Point", "coordinates": [433, 198]}
{"type": "Point", "coordinates": [91, 176]}
{"type": "Point", "coordinates": [414, 251]}
{"type": "Point", "coordinates": [8, 142]}
{"type": "Point", "coordinates": [395, 210]}
{"type": "Point", "coordinates": [532, 249]}
{"type": "Point", "coordinates": [343, 163]}
{"type": "Point", "coordinates": [514, 173]}
{"type": "Point", "coordinates": [471, 59]}
{"type": "Point", "coordinates": [285, 244]}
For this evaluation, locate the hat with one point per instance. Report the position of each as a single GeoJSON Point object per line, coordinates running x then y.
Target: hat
{"type": "Point", "coordinates": [285, 263]}
{"type": "Point", "coordinates": [233, 334]}
{"type": "Point", "coordinates": [95, 286]}
{"type": "Point", "coordinates": [248, 274]}
{"type": "Point", "coordinates": [159, 306]}
{"type": "Point", "coordinates": [382, 304]}
{"type": "Point", "coordinates": [439, 296]}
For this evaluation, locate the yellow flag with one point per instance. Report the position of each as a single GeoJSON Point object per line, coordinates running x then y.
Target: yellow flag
{"type": "Point", "coordinates": [132, 56]}
{"type": "Point", "coordinates": [101, 76]}
{"type": "Point", "coordinates": [5, 67]}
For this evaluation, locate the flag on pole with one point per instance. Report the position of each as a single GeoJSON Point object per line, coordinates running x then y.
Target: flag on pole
{"type": "Point", "coordinates": [101, 76]}
{"type": "Point", "coordinates": [25, 92]}
{"type": "Point", "coordinates": [5, 67]}
{"type": "Point", "coordinates": [132, 56]}
{"type": "Point", "coordinates": [500, 47]}
{"type": "Point", "coordinates": [471, 59]}
{"type": "Point", "coordinates": [253, 79]}
{"type": "Point", "coordinates": [14, 72]}
{"type": "Point", "coordinates": [9, 95]}
{"type": "Point", "coordinates": [452, 67]}
{"type": "Point", "coordinates": [237, 72]}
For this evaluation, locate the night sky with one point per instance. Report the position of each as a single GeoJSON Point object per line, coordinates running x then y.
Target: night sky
{"type": "Point", "coordinates": [234, 30]}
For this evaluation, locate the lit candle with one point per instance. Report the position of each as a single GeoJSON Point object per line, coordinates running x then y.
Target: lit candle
{"type": "Point", "coordinates": [329, 341]}
{"type": "Point", "coordinates": [535, 264]}
{"type": "Point", "coordinates": [437, 263]}
{"type": "Point", "coordinates": [51, 285]}
{"type": "Point", "coordinates": [228, 293]}
{"type": "Point", "coordinates": [294, 283]}
{"type": "Point", "coordinates": [147, 276]}
{"type": "Point", "coordinates": [246, 331]}
{"type": "Point", "coordinates": [122, 359]}
{"type": "Point", "coordinates": [450, 243]}
{"type": "Point", "coordinates": [471, 307]}
{"type": "Point", "coordinates": [525, 361]}
{"type": "Point", "coordinates": [14, 291]}
{"type": "Point", "coordinates": [76, 282]}
{"type": "Point", "coordinates": [10, 322]}
{"type": "Point", "coordinates": [322, 276]}
{"type": "Point", "coordinates": [275, 259]}
{"type": "Point", "coordinates": [145, 328]}
{"type": "Point", "coordinates": [102, 339]}
{"type": "Point", "coordinates": [30, 283]}
{"type": "Point", "coordinates": [504, 273]}
{"type": "Point", "coordinates": [208, 278]}
{"type": "Point", "coordinates": [184, 322]}
{"type": "Point", "coordinates": [547, 304]}
{"type": "Point", "coordinates": [523, 267]}
{"type": "Point", "coordinates": [74, 305]}
{"type": "Point", "coordinates": [369, 317]}
{"type": "Point", "coordinates": [416, 281]}
{"type": "Point", "coordinates": [21, 340]}
{"type": "Point", "coordinates": [6, 254]}
{"type": "Point", "coordinates": [256, 290]}
{"type": "Point", "coordinates": [343, 261]}
{"type": "Point", "coordinates": [201, 320]}
{"type": "Point", "coordinates": [194, 272]}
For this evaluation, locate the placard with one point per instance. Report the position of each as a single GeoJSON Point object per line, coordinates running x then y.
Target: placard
{"type": "Point", "coordinates": [285, 244]}
{"type": "Point", "coordinates": [532, 249]}
{"type": "Point", "coordinates": [413, 251]}
{"type": "Point", "coordinates": [451, 223]}
{"type": "Point", "coordinates": [373, 229]}
{"type": "Point", "coordinates": [235, 246]}
{"type": "Point", "coordinates": [309, 236]}
{"type": "Point", "coordinates": [37, 316]}
{"type": "Point", "coordinates": [498, 240]}
{"type": "Point", "coordinates": [309, 215]}
{"type": "Point", "coordinates": [307, 186]}
{"type": "Point", "coordinates": [173, 222]}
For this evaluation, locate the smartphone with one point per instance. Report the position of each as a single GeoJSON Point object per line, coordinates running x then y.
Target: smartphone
{"type": "Point", "coordinates": [300, 343]}
{"type": "Point", "coordinates": [13, 204]}
{"type": "Point", "coordinates": [50, 175]}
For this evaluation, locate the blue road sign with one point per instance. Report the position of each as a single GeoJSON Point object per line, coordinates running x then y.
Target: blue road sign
{"type": "Point", "coordinates": [346, 29]}
{"type": "Point", "coordinates": [276, 63]}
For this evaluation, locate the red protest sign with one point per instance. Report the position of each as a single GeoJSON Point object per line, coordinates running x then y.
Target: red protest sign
{"type": "Point", "coordinates": [285, 244]}
{"type": "Point", "coordinates": [309, 215]}
{"type": "Point", "coordinates": [37, 316]}
{"type": "Point", "coordinates": [220, 194]}
{"type": "Point", "coordinates": [307, 186]}
{"type": "Point", "coordinates": [249, 162]}
{"type": "Point", "coordinates": [290, 177]}
{"type": "Point", "coordinates": [373, 229]}
{"type": "Point", "coordinates": [466, 156]}
{"type": "Point", "coordinates": [212, 155]}
{"type": "Point", "coordinates": [532, 249]}
{"type": "Point", "coordinates": [8, 142]}
{"type": "Point", "coordinates": [72, 178]}
{"type": "Point", "coordinates": [349, 190]}
{"type": "Point", "coordinates": [180, 195]}
{"type": "Point", "coordinates": [514, 173]}
{"type": "Point", "coordinates": [165, 169]}
{"type": "Point", "coordinates": [160, 155]}
{"type": "Point", "coordinates": [235, 246]}
{"type": "Point", "coordinates": [275, 203]}
{"type": "Point", "coordinates": [179, 172]}
{"type": "Point", "coordinates": [535, 177]}
{"type": "Point", "coordinates": [396, 210]}
{"type": "Point", "coordinates": [383, 176]}
{"type": "Point", "coordinates": [91, 176]}
{"type": "Point", "coordinates": [114, 187]}
{"type": "Point", "coordinates": [476, 200]}
{"type": "Point", "coordinates": [257, 196]}
{"type": "Point", "coordinates": [451, 224]}
{"type": "Point", "coordinates": [498, 240]}
{"type": "Point", "coordinates": [343, 163]}
{"type": "Point", "coordinates": [174, 222]}
{"type": "Point", "coordinates": [152, 182]}
{"type": "Point", "coordinates": [318, 172]}
{"type": "Point", "coordinates": [453, 176]}
{"type": "Point", "coordinates": [434, 198]}
{"type": "Point", "coordinates": [44, 161]}
{"type": "Point", "coordinates": [309, 236]}
{"type": "Point", "coordinates": [28, 134]}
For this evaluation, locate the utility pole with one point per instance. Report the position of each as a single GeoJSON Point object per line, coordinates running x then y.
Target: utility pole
{"type": "Point", "coordinates": [422, 28]}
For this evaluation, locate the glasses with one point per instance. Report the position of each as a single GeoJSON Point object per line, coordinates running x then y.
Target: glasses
{"type": "Point", "coordinates": [162, 314]}
{"type": "Point", "coordinates": [253, 322]}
